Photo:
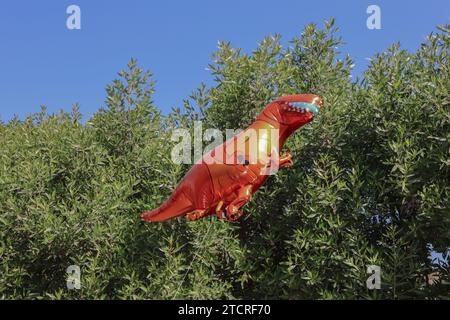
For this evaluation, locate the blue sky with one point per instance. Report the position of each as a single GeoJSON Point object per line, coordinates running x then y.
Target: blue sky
{"type": "Point", "coordinates": [44, 63]}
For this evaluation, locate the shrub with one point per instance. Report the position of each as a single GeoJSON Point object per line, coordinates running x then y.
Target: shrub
{"type": "Point", "coordinates": [370, 184]}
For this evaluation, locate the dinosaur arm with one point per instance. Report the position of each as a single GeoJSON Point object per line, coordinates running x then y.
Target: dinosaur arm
{"type": "Point", "coordinates": [281, 161]}
{"type": "Point", "coordinates": [285, 160]}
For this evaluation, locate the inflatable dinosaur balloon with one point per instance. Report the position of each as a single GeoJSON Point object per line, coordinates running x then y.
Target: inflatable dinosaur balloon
{"type": "Point", "coordinates": [225, 178]}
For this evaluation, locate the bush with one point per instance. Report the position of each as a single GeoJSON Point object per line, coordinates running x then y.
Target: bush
{"type": "Point", "coordinates": [370, 185]}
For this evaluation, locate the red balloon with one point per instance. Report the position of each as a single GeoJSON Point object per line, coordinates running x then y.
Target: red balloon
{"type": "Point", "coordinates": [225, 178]}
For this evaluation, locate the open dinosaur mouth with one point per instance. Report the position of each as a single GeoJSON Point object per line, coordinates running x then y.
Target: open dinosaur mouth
{"type": "Point", "coordinates": [301, 107]}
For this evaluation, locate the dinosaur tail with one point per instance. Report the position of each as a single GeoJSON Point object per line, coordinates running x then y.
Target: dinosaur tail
{"type": "Point", "coordinates": [177, 205]}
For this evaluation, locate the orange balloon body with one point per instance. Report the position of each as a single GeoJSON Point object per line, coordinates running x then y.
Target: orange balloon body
{"type": "Point", "coordinates": [225, 178]}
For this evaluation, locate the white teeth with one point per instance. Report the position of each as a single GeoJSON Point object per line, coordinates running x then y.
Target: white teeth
{"type": "Point", "coordinates": [293, 108]}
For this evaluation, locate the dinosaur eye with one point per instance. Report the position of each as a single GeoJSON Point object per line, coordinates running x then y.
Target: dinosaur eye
{"type": "Point", "coordinates": [241, 159]}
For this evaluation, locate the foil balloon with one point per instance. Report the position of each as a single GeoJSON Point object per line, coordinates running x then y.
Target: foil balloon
{"type": "Point", "coordinates": [225, 178]}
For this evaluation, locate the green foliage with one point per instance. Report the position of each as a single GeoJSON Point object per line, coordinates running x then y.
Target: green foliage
{"type": "Point", "coordinates": [370, 184]}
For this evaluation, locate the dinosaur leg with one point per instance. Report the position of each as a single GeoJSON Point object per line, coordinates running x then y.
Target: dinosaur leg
{"type": "Point", "coordinates": [233, 211]}
{"type": "Point", "coordinates": [221, 214]}
{"type": "Point", "coordinates": [197, 214]}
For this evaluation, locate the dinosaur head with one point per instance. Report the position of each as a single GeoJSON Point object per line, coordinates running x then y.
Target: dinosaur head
{"type": "Point", "coordinates": [292, 111]}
